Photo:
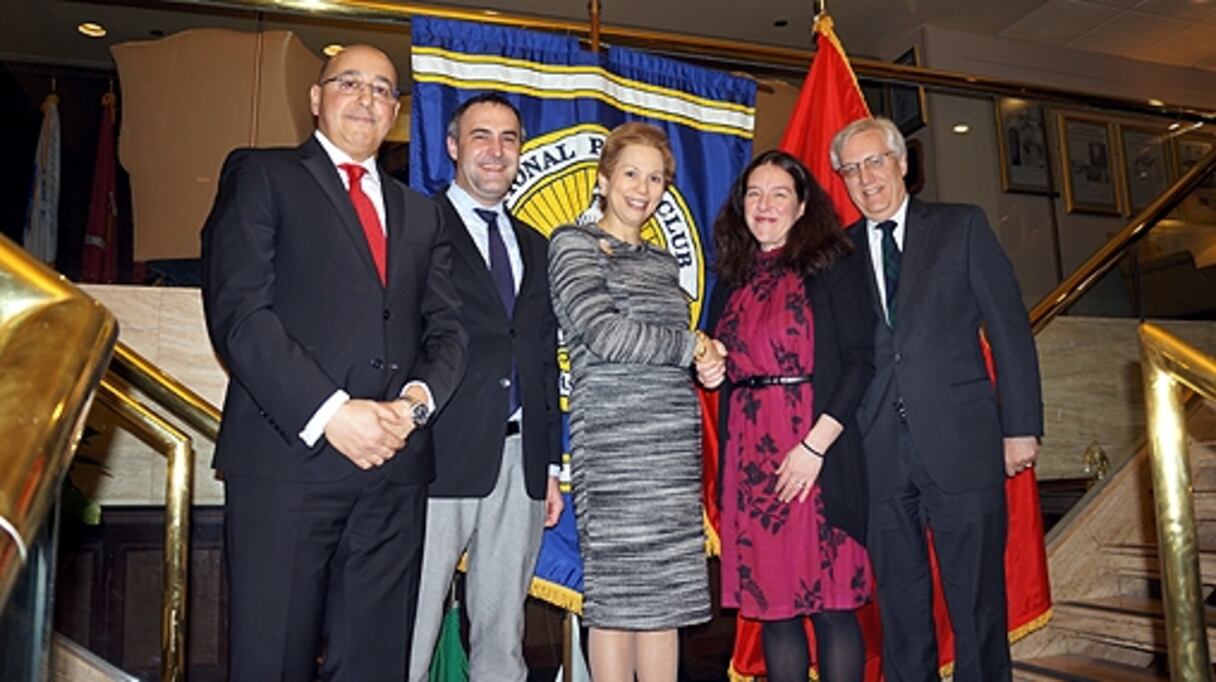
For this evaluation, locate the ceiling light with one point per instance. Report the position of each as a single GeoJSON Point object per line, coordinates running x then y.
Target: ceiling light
{"type": "Point", "coordinates": [1154, 102]}
{"type": "Point", "coordinates": [490, 12]}
{"type": "Point", "coordinates": [92, 30]}
{"type": "Point", "coordinates": [961, 128]}
{"type": "Point", "coordinates": [1175, 125]}
{"type": "Point", "coordinates": [332, 49]}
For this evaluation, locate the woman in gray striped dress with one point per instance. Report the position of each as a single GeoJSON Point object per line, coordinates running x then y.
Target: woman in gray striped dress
{"type": "Point", "coordinates": [635, 429]}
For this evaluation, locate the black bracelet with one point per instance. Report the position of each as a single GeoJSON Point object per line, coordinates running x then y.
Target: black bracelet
{"type": "Point", "coordinates": [810, 449]}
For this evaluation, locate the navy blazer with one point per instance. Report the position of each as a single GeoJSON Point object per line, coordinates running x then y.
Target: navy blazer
{"type": "Point", "coordinates": [844, 365]}
{"type": "Point", "coordinates": [296, 310]}
{"type": "Point", "coordinates": [469, 434]}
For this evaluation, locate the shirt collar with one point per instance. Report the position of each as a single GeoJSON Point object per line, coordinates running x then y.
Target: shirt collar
{"type": "Point", "coordinates": [900, 217]}
{"type": "Point", "coordinates": [339, 157]}
{"type": "Point", "coordinates": [464, 202]}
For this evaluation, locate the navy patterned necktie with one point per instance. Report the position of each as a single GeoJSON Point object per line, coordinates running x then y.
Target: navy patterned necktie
{"type": "Point", "coordinates": [504, 281]}
{"type": "Point", "coordinates": [890, 266]}
{"type": "Point", "coordinates": [500, 264]}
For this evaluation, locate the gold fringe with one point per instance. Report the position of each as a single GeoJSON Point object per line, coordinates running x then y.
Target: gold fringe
{"type": "Point", "coordinates": [559, 595]}
{"type": "Point", "coordinates": [713, 543]}
{"type": "Point", "coordinates": [1037, 624]}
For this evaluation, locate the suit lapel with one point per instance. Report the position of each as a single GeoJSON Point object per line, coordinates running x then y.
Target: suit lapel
{"type": "Point", "coordinates": [916, 244]}
{"type": "Point", "coordinates": [322, 169]}
{"type": "Point", "coordinates": [861, 240]}
{"type": "Point", "coordinates": [462, 244]}
{"type": "Point", "coordinates": [394, 215]}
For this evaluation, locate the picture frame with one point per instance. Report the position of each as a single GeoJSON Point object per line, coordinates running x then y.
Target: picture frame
{"type": "Point", "coordinates": [1091, 177]}
{"type": "Point", "coordinates": [876, 95]}
{"type": "Point", "coordinates": [1022, 145]}
{"type": "Point", "coordinates": [1147, 164]}
{"type": "Point", "coordinates": [1200, 206]}
{"type": "Point", "coordinates": [907, 102]}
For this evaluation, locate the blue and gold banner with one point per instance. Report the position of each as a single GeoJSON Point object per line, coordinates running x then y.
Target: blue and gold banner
{"type": "Point", "coordinates": [570, 98]}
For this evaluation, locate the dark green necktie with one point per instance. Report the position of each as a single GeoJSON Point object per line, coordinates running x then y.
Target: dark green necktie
{"type": "Point", "coordinates": [890, 266]}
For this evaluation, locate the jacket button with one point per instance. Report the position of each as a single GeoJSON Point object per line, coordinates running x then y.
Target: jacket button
{"type": "Point", "coordinates": [386, 314]}
{"type": "Point", "coordinates": [899, 357]}
{"type": "Point", "coordinates": [512, 332]}
{"type": "Point", "coordinates": [504, 383]}
{"type": "Point", "coordinates": [393, 366]}
{"type": "Point", "coordinates": [377, 364]}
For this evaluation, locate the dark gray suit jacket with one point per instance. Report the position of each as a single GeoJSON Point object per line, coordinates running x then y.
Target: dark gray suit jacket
{"type": "Point", "coordinates": [955, 278]}
{"type": "Point", "coordinates": [469, 434]}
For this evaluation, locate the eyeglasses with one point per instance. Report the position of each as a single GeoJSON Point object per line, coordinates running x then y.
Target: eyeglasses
{"type": "Point", "coordinates": [349, 85]}
{"type": "Point", "coordinates": [850, 171]}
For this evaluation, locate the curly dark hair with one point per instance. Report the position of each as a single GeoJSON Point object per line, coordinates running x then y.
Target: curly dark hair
{"type": "Point", "coordinates": [815, 241]}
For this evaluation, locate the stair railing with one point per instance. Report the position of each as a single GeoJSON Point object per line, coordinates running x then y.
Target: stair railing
{"type": "Point", "coordinates": [1168, 365]}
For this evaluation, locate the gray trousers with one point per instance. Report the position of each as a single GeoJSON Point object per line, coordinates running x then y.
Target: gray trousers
{"type": "Point", "coordinates": [501, 533]}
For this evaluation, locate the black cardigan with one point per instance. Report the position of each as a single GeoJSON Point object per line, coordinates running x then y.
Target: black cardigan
{"type": "Point", "coordinates": [844, 364]}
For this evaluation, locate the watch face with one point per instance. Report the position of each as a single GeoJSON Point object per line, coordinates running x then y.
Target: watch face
{"type": "Point", "coordinates": [419, 414]}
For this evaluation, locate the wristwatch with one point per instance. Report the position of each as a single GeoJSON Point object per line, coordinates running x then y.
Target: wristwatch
{"type": "Point", "coordinates": [419, 412]}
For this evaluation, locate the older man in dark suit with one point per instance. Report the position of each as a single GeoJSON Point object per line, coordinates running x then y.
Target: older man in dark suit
{"type": "Point", "coordinates": [328, 296]}
{"type": "Point", "coordinates": [939, 437]}
{"type": "Point", "coordinates": [497, 445]}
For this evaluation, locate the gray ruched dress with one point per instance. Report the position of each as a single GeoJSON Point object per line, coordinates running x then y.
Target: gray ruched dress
{"type": "Point", "coordinates": [635, 431]}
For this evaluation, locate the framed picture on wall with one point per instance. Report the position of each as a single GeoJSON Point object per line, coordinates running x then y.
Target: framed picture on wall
{"type": "Point", "coordinates": [908, 101]}
{"type": "Point", "coordinates": [1022, 142]}
{"type": "Point", "coordinates": [1091, 182]}
{"type": "Point", "coordinates": [875, 94]}
{"type": "Point", "coordinates": [1146, 164]}
{"type": "Point", "coordinates": [1200, 206]}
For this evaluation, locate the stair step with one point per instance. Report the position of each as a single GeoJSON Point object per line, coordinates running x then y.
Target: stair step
{"type": "Point", "coordinates": [1073, 668]}
{"type": "Point", "coordinates": [1129, 622]}
{"type": "Point", "coordinates": [1143, 561]}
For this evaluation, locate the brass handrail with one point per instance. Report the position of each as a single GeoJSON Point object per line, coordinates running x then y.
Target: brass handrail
{"type": "Point", "coordinates": [1169, 364]}
{"type": "Point", "coordinates": [702, 48]}
{"type": "Point", "coordinates": [1084, 277]}
{"type": "Point", "coordinates": [178, 449]}
{"type": "Point", "coordinates": [166, 391]}
{"type": "Point", "coordinates": [54, 345]}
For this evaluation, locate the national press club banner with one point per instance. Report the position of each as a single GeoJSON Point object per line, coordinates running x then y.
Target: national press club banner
{"type": "Point", "coordinates": [570, 98]}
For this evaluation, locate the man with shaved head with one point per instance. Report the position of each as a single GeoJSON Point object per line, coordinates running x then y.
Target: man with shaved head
{"type": "Point", "coordinates": [328, 295]}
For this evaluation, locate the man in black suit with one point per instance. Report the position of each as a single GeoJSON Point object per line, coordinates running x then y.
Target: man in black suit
{"type": "Point", "coordinates": [497, 444]}
{"type": "Point", "coordinates": [328, 295]}
{"type": "Point", "coordinates": [939, 437]}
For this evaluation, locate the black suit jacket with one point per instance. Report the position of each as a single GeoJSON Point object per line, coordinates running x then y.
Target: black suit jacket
{"type": "Point", "coordinates": [469, 434]}
{"type": "Point", "coordinates": [954, 277]}
{"type": "Point", "coordinates": [296, 311]}
{"type": "Point", "coordinates": [844, 365]}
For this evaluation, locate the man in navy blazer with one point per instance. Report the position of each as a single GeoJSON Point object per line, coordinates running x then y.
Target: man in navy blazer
{"type": "Point", "coordinates": [328, 296]}
{"type": "Point", "coordinates": [939, 437]}
{"type": "Point", "coordinates": [498, 443]}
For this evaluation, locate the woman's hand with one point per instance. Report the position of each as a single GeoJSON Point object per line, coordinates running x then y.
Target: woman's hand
{"type": "Point", "coordinates": [711, 366]}
{"type": "Point", "coordinates": [797, 474]}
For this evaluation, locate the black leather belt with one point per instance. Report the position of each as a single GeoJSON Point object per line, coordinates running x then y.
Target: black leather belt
{"type": "Point", "coordinates": [761, 382]}
{"type": "Point", "coordinates": [512, 428]}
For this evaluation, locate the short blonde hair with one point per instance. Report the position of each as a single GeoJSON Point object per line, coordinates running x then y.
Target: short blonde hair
{"type": "Point", "coordinates": [636, 132]}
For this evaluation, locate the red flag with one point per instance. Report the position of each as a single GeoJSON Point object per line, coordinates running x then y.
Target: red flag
{"type": "Point", "coordinates": [100, 260]}
{"type": "Point", "coordinates": [831, 99]}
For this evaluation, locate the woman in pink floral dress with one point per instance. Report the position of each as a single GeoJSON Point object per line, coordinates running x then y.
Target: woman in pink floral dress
{"type": "Point", "coordinates": [792, 309]}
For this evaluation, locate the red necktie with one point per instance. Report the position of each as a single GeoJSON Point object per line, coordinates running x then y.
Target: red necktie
{"type": "Point", "coordinates": [367, 216]}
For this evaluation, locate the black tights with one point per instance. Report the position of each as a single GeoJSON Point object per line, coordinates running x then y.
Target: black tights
{"type": "Point", "coordinates": [842, 652]}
